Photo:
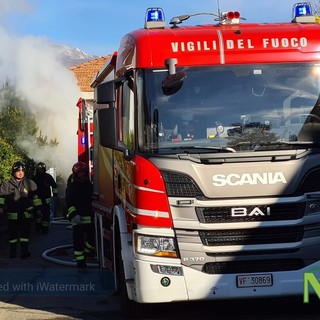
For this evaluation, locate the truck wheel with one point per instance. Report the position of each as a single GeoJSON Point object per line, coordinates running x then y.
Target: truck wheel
{"type": "Point", "coordinates": [129, 308]}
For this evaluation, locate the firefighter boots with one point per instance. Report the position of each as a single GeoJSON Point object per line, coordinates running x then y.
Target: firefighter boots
{"type": "Point", "coordinates": [81, 264]}
{"type": "Point", "coordinates": [13, 250]}
{"type": "Point", "coordinates": [25, 250]}
{"type": "Point", "coordinates": [45, 230]}
{"type": "Point", "coordinates": [38, 227]}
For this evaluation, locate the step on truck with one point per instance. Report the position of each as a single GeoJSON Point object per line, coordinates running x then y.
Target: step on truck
{"type": "Point", "coordinates": [206, 159]}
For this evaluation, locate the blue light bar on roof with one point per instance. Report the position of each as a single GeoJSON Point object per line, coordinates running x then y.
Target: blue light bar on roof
{"type": "Point", "coordinates": [155, 14]}
{"type": "Point", "coordinates": [302, 13]}
{"type": "Point", "coordinates": [154, 18]}
{"type": "Point", "coordinates": [302, 9]}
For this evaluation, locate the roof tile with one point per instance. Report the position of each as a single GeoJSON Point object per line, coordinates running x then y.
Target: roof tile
{"type": "Point", "coordinates": [86, 71]}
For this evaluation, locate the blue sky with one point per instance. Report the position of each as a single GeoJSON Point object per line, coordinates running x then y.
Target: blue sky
{"type": "Point", "coordinates": [96, 26]}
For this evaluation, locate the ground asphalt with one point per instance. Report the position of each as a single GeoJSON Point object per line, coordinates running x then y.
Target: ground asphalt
{"type": "Point", "coordinates": [47, 285]}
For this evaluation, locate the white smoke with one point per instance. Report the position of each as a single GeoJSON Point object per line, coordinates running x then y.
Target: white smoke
{"type": "Point", "coordinates": [50, 88]}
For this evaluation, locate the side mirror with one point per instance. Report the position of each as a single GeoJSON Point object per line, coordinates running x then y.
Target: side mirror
{"type": "Point", "coordinates": [105, 92]}
{"type": "Point", "coordinates": [173, 83]}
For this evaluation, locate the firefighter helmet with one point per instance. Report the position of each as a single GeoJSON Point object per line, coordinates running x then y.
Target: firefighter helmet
{"type": "Point", "coordinates": [41, 166]}
{"type": "Point", "coordinates": [78, 167]}
{"type": "Point", "coordinates": [18, 166]}
{"type": "Point", "coordinates": [80, 171]}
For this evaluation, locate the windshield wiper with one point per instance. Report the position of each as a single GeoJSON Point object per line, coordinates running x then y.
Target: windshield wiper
{"type": "Point", "coordinates": [214, 148]}
{"type": "Point", "coordinates": [273, 144]}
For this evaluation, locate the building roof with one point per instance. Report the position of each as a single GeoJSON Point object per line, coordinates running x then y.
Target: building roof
{"type": "Point", "coordinates": [86, 71]}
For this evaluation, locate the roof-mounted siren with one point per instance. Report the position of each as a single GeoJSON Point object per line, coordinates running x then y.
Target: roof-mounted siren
{"type": "Point", "coordinates": [154, 18]}
{"type": "Point", "coordinates": [302, 13]}
{"type": "Point", "coordinates": [230, 17]}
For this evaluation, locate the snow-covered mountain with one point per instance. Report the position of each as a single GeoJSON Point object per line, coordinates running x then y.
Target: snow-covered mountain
{"type": "Point", "coordinates": [72, 56]}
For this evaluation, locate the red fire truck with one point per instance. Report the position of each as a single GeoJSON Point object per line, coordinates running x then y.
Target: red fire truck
{"type": "Point", "coordinates": [85, 133]}
{"type": "Point", "coordinates": [206, 159]}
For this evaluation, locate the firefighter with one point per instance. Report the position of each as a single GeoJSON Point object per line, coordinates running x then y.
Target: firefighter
{"type": "Point", "coordinates": [79, 212]}
{"type": "Point", "coordinates": [17, 199]}
{"type": "Point", "coordinates": [69, 180]}
{"type": "Point", "coordinates": [47, 191]}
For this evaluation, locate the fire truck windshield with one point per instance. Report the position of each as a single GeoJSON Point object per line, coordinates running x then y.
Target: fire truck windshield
{"type": "Point", "coordinates": [242, 107]}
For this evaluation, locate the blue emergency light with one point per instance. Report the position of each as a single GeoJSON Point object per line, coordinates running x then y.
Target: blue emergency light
{"type": "Point", "coordinates": [154, 18]}
{"type": "Point", "coordinates": [155, 14]}
{"type": "Point", "coordinates": [302, 13]}
{"type": "Point", "coordinates": [302, 9]}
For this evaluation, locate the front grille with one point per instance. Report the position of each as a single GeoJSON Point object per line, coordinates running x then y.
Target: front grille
{"type": "Point", "coordinates": [252, 253]}
{"type": "Point", "coordinates": [252, 266]}
{"type": "Point", "coordinates": [251, 236]}
{"type": "Point", "coordinates": [276, 212]}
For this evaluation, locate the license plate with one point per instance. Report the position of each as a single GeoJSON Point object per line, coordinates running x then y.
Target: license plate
{"type": "Point", "coordinates": [254, 280]}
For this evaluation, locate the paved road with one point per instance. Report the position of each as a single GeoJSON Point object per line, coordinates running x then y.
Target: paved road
{"type": "Point", "coordinates": [47, 286]}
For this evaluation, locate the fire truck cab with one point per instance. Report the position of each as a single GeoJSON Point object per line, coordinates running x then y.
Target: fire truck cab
{"type": "Point", "coordinates": [206, 159]}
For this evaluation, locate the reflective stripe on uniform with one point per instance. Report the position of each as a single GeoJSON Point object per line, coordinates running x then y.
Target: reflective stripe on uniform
{"type": "Point", "coordinates": [12, 215]}
{"type": "Point", "coordinates": [86, 219]}
{"type": "Point", "coordinates": [28, 215]}
{"type": "Point", "coordinates": [71, 210]}
{"type": "Point", "coordinates": [79, 255]}
{"type": "Point", "coordinates": [37, 202]}
{"type": "Point", "coordinates": [88, 247]}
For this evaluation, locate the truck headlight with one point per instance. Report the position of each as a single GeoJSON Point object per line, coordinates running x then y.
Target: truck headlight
{"type": "Point", "coordinates": [155, 246]}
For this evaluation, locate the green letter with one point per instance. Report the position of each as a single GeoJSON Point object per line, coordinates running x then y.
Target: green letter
{"type": "Point", "coordinates": [309, 277]}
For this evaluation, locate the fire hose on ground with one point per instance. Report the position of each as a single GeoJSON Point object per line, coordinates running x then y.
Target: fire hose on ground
{"type": "Point", "coordinates": [47, 255]}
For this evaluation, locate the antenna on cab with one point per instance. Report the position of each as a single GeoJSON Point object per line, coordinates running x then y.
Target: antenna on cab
{"type": "Point", "coordinates": [218, 2]}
